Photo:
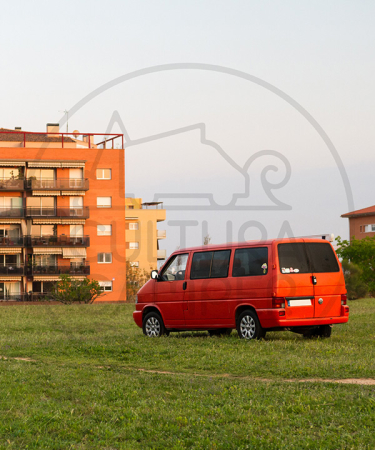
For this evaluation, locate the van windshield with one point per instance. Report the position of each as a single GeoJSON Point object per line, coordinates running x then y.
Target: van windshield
{"type": "Point", "coordinates": [314, 257]}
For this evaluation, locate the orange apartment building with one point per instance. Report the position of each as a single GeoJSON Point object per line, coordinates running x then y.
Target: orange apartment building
{"type": "Point", "coordinates": [361, 223]}
{"type": "Point", "coordinates": [62, 211]}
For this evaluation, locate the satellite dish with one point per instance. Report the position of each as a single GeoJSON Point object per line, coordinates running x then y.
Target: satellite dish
{"type": "Point", "coordinates": [75, 133]}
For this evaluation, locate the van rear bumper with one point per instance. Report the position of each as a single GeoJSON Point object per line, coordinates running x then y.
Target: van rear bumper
{"type": "Point", "coordinates": [269, 318]}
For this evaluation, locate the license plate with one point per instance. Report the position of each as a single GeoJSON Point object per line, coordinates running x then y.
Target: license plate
{"type": "Point", "coordinates": [300, 302]}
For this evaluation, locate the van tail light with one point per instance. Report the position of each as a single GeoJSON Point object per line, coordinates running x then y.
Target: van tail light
{"type": "Point", "coordinates": [343, 299]}
{"type": "Point", "coordinates": [278, 302]}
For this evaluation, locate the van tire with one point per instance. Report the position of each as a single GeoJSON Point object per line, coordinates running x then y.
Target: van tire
{"type": "Point", "coordinates": [220, 332]}
{"type": "Point", "coordinates": [153, 325]}
{"type": "Point", "coordinates": [323, 331]}
{"type": "Point", "coordinates": [248, 326]}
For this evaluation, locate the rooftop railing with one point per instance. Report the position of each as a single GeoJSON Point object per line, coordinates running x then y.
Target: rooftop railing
{"type": "Point", "coordinates": [75, 140]}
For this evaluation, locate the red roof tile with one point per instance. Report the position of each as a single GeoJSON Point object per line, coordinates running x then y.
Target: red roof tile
{"type": "Point", "coordinates": [370, 211]}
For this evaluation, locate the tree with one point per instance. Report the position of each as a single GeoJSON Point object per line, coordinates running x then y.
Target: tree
{"type": "Point", "coordinates": [69, 291]}
{"type": "Point", "coordinates": [135, 279]}
{"type": "Point", "coordinates": [362, 253]}
{"type": "Point", "coordinates": [355, 286]}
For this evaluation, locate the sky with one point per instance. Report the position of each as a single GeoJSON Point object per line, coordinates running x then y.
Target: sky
{"type": "Point", "coordinates": [230, 156]}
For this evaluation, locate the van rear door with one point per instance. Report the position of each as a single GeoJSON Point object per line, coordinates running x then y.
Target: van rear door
{"type": "Point", "coordinates": [294, 280]}
{"type": "Point", "coordinates": [329, 278]}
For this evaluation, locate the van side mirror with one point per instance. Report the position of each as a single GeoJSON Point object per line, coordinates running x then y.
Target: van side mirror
{"type": "Point", "coordinates": [154, 274]}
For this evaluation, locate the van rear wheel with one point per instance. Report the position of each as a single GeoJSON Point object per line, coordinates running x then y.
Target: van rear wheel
{"type": "Point", "coordinates": [153, 325]}
{"type": "Point", "coordinates": [248, 326]}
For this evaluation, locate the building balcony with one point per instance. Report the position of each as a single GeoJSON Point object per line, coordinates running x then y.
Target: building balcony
{"type": "Point", "coordinates": [65, 184]}
{"type": "Point", "coordinates": [72, 269]}
{"type": "Point", "coordinates": [9, 241]}
{"type": "Point", "coordinates": [161, 254]}
{"type": "Point", "coordinates": [12, 270]}
{"type": "Point", "coordinates": [76, 213]}
{"type": "Point", "coordinates": [161, 234]}
{"type": "Point", "coordinates": [57, 241]}
{"type": "Point", "coordinates": [7, 212]}
{"type": "Point", "coordinates": [12, 184]}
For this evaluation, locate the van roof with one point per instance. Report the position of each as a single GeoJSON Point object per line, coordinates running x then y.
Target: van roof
{"type": "Point", "coordinates": [247, 244]}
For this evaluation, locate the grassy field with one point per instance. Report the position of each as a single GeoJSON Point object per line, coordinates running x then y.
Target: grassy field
{"type": "Point", "coordinates": [93, 381]}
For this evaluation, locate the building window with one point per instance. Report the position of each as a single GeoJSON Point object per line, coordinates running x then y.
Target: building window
{"type": "Point", "coordinates": [104, 202]}
{"type": "Point", "coordinates": [369, 228]}
{"type": "Point", "coordinates": [105, 286]}
{"type": "Point", "coordinates": [133, 226]}
{"type": "Point", "coordinates": [103, 174]}
{"type": "Point", "coordinates": [104, 258]}
{"type": "Point", "coordinates": [133, 245]}
{"type": "Point", "coordinates": [134, 264]}
{"type": "Point", "coordinates": [360, 228]}
{"type": "Point", "coordinates": [104, 230]}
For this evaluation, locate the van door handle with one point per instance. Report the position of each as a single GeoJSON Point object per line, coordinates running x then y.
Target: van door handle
{"type": "Point", "coordinates": [184, 284]}
{"type": "Point", "coordinates": [314, 281]}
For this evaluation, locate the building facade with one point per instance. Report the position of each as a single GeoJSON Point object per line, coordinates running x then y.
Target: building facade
{"type": "Point", "coordinates": [361, 223]}
{"type": "Point", "coordinates": [62, 211]}
{"type": "Point", "coordinates": [142, 235]}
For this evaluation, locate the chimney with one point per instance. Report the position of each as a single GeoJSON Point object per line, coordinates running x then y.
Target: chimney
{"type": "Point", "coordinates": [53, 128]}
{"type": "Point", "coordinates": [18, 128]}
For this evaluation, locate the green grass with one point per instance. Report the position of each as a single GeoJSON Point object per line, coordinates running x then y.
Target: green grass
{"type": "Point", "coordinates": [84, 389]}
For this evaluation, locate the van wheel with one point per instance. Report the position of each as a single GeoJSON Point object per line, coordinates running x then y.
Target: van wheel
{"type": "Point", "coordinates": [248, 326]}
{"type": "Point", "coordinates": [153, 325]}
{"type": "Point", "coordinates": [220, 332]}
{"type": "Point", "coordinates": [323, 331]}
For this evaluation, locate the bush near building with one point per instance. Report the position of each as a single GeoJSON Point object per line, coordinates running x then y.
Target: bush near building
{"type": "Point", "coordinates": [361, 253]}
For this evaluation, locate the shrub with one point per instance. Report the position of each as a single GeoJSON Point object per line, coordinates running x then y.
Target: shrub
{"type": "Point", "coordinates": [355, 285]}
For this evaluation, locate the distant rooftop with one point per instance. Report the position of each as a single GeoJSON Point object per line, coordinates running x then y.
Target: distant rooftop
{"type": "Point", "coordinates": [17, 136]}
{"type": "Point", "coordinates": [370, 211]}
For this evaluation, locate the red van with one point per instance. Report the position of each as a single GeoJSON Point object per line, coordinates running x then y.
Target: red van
{"type": "Point", "coordinates": [281, 284]}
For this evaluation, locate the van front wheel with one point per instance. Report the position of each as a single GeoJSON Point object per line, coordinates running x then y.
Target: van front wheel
{"type": "Point", "coordinates": [153, 325]}
{"type": "Point", "coordinates": [248, 326]}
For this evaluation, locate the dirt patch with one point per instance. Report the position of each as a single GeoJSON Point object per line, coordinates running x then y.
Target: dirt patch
{"type": "Point", "coordinates": [359, 381]}
{"type": "Point", "coordinates": [17, 358]}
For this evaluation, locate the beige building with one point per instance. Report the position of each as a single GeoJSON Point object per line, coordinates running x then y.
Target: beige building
{"type": "Point", "coordinates": [142, 236]}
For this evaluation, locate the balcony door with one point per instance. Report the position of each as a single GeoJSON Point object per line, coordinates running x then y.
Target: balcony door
{"type": "Point", "coordinates": [10, 206]}
{"type": "Point", "coordinates": [76, 178]}
{"type": "Point", "coordinates": [41, 178]}
{"type": "Point", "coordinates": [41, 206]}
{"type": "Point", "coordinates": [76, 234]}
{"type": "Point", "coordinates": [76, 206]}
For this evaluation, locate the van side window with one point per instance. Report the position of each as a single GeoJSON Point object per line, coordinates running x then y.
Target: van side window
{"type": "Point", "coordinates": [322, 257]}
{"type": "Point", "coordinates": [210, 264]}
{"type": "Point", "coordinates": [175, 268]}
{"type": "Point", "coordinates": [293, 258]}
{"type": "Point", "coordinates": [250, 262]}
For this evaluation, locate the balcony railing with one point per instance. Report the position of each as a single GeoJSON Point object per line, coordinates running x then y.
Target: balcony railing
{"type": "Point", "coordinates": [75, 212]}
{"type": "Point", "coordinates": [10, 241]}
{"type": "Point", "coordinates": [12, 184]}
{"type": "Point", "coordinates": [57, 241]}
{"type": "Point", "coordinates": [26, 297]}
{"type": "Point", "coordinates": [66, 184]}
{"type": "Point", "coordinates": [12, 269]}
{"type": "Point", "coordinates": [72, 269]}
{"type": "Point", "coordinates": [8, 212]}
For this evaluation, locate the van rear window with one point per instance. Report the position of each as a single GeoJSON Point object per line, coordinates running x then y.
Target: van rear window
{"type": "Point", "coordinates": [307, 257]}
{"type": "Point", "coordinates": [293, 258]}
{"type": "Point", "coordinates": [322, 257]}
{"type": "Point", "coordinates": [210, 264]}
